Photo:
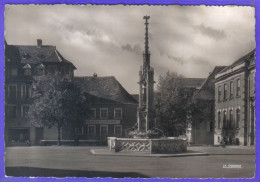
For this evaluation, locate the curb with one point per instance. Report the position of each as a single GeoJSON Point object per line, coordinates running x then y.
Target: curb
{"type": "Point", "coordinates": [108, 153]}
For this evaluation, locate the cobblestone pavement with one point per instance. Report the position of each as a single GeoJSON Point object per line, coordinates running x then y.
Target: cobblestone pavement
{"type": "Point", "coordinates": [62, 161]}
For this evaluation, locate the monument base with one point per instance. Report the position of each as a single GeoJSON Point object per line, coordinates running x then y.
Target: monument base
{"type": "Point", "coordinates": [154, 146]}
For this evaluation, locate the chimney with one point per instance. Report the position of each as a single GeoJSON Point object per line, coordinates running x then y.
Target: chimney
{"type": "Point", "coordinates": [39, 43]}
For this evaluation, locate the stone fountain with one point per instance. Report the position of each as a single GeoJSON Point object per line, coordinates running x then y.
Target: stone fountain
{"type": "Point", "coordinates": [146, 138]}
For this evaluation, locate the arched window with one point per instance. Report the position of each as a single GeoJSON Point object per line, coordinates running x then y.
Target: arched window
{"type": "Point", "coordinates": [237, 118]}
{"type": "Point", "coordinates": [225, 91]}
{"type": "Point", "coordinates": [238, 87]}
{"type": "Point", "coordinates": [231, 89]}
{"type": "Point", "coordinates": [231, 120]}
{"type": "Point", "coordinates": [219, 93]}
{"type": "Point", "coordinates": [219, 119]}
{"type": "Point", "coordinates": [225, 119]}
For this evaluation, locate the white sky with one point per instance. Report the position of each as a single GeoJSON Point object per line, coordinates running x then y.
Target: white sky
{"type": "Point", "coordinates": [109, 40]}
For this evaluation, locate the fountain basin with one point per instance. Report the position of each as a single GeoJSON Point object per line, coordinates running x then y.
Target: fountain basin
{"type": "Point", "coordinates": [154, 146]}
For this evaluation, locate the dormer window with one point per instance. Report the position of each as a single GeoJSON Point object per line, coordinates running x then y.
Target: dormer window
{"type": "Point", "coordinates": [25, 55]}
{"type": "Point", "coordinates": [39, 70]}
{"type": "Point", "coordinates": [41, 56]}
{"type": "Point", "coordinates": [27, 70]}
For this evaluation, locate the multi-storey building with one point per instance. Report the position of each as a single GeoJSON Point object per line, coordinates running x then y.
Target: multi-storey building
{"type": "Point", "coordinates": [204, 97]}
{"type": "Point", "coordinates": [112, 109]}
{"type": "Point", "coordinates": [23, 64]}
{"type": "Point", "coordinates": [235, 103]}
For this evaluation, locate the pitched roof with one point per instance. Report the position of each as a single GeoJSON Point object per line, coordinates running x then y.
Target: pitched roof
{"type": "Point", "coordinates": [27, 66]}
{"type": "Point", "coordinates": [136, 97]}
{"type": "Point", "coordinates": [32, 54]}
{"type": "Point", "coordinates": [105, 87]}
{"type": "Point", "coordinates": [206, 92]}
{"type": "Point", "coordinates": [192, 82]}
{"type": "Point", "coordinates": [249, 56]}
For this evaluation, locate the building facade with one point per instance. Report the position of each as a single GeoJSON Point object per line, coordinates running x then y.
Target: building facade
{"type": "Point", "coordinates": [204, 97]}
{"type": "Point", "coordinates": [235, 103]}
{"type": "Point", "coordinates": [113, 111]}
{"type": "Point", "coordinates": [24, 64]}
{"type": "Point", "coordinates": [191, 86]}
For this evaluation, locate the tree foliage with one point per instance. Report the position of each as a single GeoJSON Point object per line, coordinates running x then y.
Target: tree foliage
{"type": "Point", "coordinates": [57, 102]}
{"type": "Point", "coordinates": [174, 106]}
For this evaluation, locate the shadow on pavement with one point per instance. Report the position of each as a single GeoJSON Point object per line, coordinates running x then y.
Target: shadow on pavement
{"type": "Point", "coordinates": [45, 172]}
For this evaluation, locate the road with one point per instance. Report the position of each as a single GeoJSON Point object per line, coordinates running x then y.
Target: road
{"type": "Point", "coordinates": [62, 161]}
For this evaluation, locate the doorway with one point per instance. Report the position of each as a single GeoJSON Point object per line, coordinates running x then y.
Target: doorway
{"type": "Point", "coordinates": [38, 135]}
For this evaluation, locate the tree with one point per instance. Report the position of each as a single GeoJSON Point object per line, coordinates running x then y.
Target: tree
{"type": "Point", "coordinates": [57, 102]}
{"type": "Point", "coordinates": [174, 106]}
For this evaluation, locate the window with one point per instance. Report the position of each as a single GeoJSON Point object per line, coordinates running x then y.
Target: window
{"type": "Point", "coordinates": [39, 72]}
{"type": "Point", "coordinates": [91, 130]}
{"type": "Point", "coordinates": [79, 130]}
{"type": "Point", "coordinates": [118, 130]}
{"type": "Point", "coordinates": [93, 113]}
{"type": "Point", "coordinates": [12, 91]}
{"type": "Point", "coordinates": [27, 70]}
{"type": "Point", "coordinates": [231, 89]}
{"type": "Point", "coordinates": [103, 113]}
{"type": "Point", "coordinates": [225, 91]}
{"type": "Point", "coordinates": [14, 71]}
{"type": "Point", "coordinates": [251, 89]}
{"type": "Point", "coordinates": [118, 113]}
{"type": "Point", "coordinates": [103, 130]}
{"type": "Point", "coordinates": [225, 119]}
{"type": "Point", "coordinates": [237, 118]}
{"type": "Point", "coordinates": [231, 119]}
{"type": "Point", "coordinates": [26, 91]}
{"type": "Point", "coordinates": [12, 112]}
{"type": "Point", "coordinates": [219, 119]}
{"type": "Point", "coordinates": [24, 111]}
{"type": "Point", "coordinates": [238, 87]}
{"type": "Point", "coordinates": [219, 93]}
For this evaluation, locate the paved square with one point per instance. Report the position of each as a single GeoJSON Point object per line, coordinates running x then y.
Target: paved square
{"type": "Point", "coordinates": [62, 161]}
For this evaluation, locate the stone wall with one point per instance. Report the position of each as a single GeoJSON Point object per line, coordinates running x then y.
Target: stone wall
{"type": "Point", "coordinates": [154, 146]}
{"type": "Point", "coordinates": [164, 146]}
